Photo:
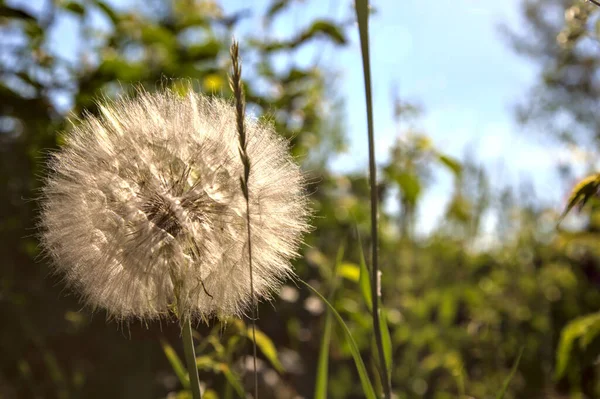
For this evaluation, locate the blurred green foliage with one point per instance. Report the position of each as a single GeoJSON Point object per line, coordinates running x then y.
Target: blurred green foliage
{"type": "Point", "coordinates": [562, 37]}
{"type": "Point", "coordinates": [460, 303]}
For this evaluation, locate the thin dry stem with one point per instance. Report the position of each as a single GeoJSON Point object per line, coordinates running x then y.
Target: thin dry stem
{"type": "Point", "coordinates": [235, 82]}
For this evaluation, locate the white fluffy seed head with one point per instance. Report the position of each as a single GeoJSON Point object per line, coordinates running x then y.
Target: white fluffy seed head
{"type": "Point", "coordinates": [143, 208]}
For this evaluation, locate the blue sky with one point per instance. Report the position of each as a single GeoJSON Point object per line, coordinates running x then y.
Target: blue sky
{"type": "Point", "coordinates": [448, 56]}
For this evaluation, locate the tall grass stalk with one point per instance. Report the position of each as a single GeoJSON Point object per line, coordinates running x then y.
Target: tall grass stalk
{"type": "Point", "coordinates": [362, 14]}
{"type": "Point", "coordinates": [235, 81]}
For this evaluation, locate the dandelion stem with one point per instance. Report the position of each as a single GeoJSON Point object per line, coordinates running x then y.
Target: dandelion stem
{"type": "Point", "coordinates": [190, 357]}
{"type": "Point", "coordinates": [186, 336]}
{"type": "Point", "coordinates": [362, 14]}
{"type": "Point", "coordinates": [235, 81]}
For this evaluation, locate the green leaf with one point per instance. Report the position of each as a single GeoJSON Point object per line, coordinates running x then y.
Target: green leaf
{"type": "Point", "coordinates": [585, 327]}
{"type": "Point", "coordinates": [364, 279]}
{"type": "Point", "coordinates": [110, 13]}
{"type": "Point", "coordinates": [318, 28]}
{"type": "Point", "coordinates": [74, 7]}
{"type": "Point", "coordinates": [176, 364]}
{"type": "Point", "coordinates": [206, 362]}
{"type": "Point", "coordinates": [582, 192]}
{"type": "Point", "coordinates": [120, 69]}
{"type": "Point", "coordinates": [56, 372]}
{"type": "Point", "coordinates": [266, 346]}
{"type": "Point", "coordinates": [232, 379]}
{"type": "Point", "coordinates": [511, 375]}
{"type": "Point", "coordinates": [451, 163]}
{"type": "Point", "coordinates": [203, 51]}
{"type": "Point", "coordinates": [409, 184]}
{"type": "Point", "coordinates": [276, 7]}
{"type": "Point", "coordinates": [592, 331]}
{"type": "Point", "coordinates": [156, 34]}
{"type": "Point", "coordinates": [360, 365]}
{"type": "Point", "coordinates": [386, 341]}
{"type": "Point", "coordinates": [349, 271]}
{"type": "Point", "coordinates": [323, 364]}
{"type": "Point", "coordinates": [9, 12]}
{"type": "Point", "coordinates": [326, 28]}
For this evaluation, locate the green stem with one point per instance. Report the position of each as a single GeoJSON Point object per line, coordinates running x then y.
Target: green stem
{"type": "Point", "coordinates": [190, 357]}
{"type": "Point", "coordinates": [362, 14]}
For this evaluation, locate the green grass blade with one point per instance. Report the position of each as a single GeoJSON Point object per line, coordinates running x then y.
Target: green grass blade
{"type": "Point", "coordinates": [267, 347]}
{"type": "Point", "coordinates": [323, 364]}
{"type": "Point", "coordinates": [56, 373]}
{"type": "Point", "coordinates": [176, 364]}
{"type": "Point", "coordinates": [364, 281]}
{"type": "Point", "coordinates": [233, 380]}
{"type": "Point", "coordinates": [511, 375]}
{"type": "Point", "coordinates": [360, 365]}
{"type": "Point", "coordinates": [387, 342]}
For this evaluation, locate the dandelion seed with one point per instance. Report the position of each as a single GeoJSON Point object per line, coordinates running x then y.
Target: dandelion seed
{"type": "Point", "coordinates": [143, 210]}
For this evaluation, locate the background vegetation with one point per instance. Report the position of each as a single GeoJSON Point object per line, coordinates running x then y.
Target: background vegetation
{"type": "Point", "coordinates": [458, 312]}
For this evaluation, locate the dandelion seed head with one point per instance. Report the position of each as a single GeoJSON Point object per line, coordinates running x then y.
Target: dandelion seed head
{"type": "Point", "coordinates": [143, 208]}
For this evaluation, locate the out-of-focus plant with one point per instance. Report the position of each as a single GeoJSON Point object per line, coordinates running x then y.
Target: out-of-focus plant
{"type": "Point", "coordinates": [410, 169]}
{"type": "Point", "coordinates": [583, 192]}
{"type": "Point", "coordinates": [563, 36]}
{"type": "Point", "coordinates": [584, 330]}
{"type": "Point", "coordinates": [458, 311]}
{"type": "Point", "coordinates": [116, 47]}
{"type": "Point", "coordinates": [223, 352]}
